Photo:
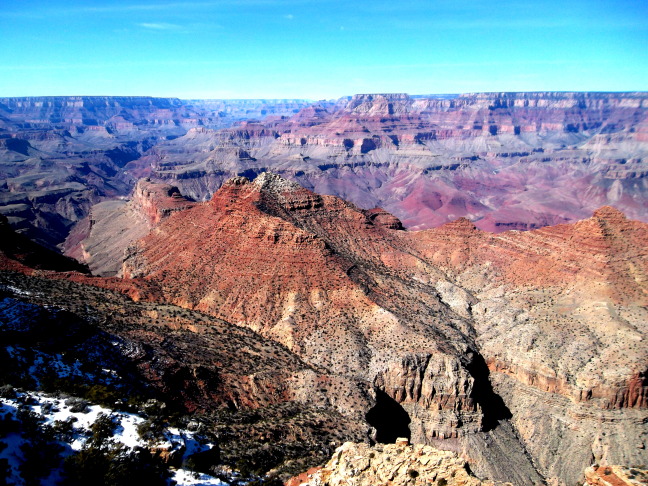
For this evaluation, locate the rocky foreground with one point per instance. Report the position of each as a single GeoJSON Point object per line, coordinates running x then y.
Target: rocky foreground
{"type": "Point", "coordinates": [401, 464]}
{"type": "Point", "coordinates": [396, 464]}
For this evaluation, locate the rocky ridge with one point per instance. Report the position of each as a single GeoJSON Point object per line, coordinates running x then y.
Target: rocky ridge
{"type": "Point", "coordinates": [471, 310]}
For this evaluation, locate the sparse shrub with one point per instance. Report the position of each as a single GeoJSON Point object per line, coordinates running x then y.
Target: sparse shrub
{"type": "Point", "coordinates": [63, 429]}
{"type": "Point", "coordinates": [77, 405]}
{"type": "Point", "coordinates": [203, 461]}
{"type": "Point", "coordinates": [7, 391]}
{"type": "Point", "coordinates": [8, 425]}
{"type": "Point", "coordinates": [102, 395]}
{"type": "Point", "coordinates": [114, 465]}
{"type": "Point", "coordinates": [151, 430]}
{"type": "Point", "coordinates": [102, 429]}
{"type": "Point", "coordinates": [29, 422]}
{"type": "Point", "coordinates": [413, 473]}
{"type": "Point", "coordinates": [47, 408]}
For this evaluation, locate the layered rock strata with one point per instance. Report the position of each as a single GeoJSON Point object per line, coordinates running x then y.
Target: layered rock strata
{"type": "Point", "coordinates": [59, 156]}
{"type": "Point", "coordinates": [515, 350]}
{"type": "Point", "coordinates": [504, 160]}
{"type": "Point", "coordinates": [113, 225]}
{"type": "Point", "coordinates": [493, 345]}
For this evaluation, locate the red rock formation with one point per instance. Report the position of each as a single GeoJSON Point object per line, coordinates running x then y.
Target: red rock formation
{"type": "Point", "coordinates": [497, 344]}
{"type": "Point", "coordinates": [158, 201]}
{"type": "Point", "coordinates": [306, 270]}
{"type": "Point", "coordinates": [615, 476]}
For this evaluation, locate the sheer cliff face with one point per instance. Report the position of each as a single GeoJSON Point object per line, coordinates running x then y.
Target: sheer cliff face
{"type": "Point", "coordinates": [504, 160]}
{"type": "Point", "coordinates": [526, 340]}
{"type": "Point", "coordinates": [560, 315]}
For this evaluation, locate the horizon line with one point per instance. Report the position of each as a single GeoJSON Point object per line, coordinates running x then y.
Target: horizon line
{"type": "Point", "coordinates": [383, 93]}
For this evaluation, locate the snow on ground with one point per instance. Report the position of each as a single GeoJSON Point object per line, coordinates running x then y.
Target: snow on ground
{"type": "Point", "coordinates": [55, 409]}
{"type": "Point", "coordinates": [189, 478]}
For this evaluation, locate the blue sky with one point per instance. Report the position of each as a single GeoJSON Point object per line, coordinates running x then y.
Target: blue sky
{"type": "Point", "coordinates": [320, 49]}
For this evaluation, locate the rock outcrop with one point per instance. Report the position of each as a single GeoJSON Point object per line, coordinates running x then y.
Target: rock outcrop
{"type": "Point", "coordinates": [307, 271]}
{"type": "Point", "coordinates": [157, 201]}
{"type": "Point", "coordinates": [615, 476]}
{"type": "Point", "coordinates": [398, 464]}
{"type": "Point", "coordinates": [111, 226]}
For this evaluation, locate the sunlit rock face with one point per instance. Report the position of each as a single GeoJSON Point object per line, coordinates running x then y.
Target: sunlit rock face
{"type": "Point", "coordinates": [468, 336]}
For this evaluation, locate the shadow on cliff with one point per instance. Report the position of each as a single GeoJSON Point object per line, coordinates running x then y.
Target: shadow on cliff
{"type": "Point", "coordinates": [390, 420]}
{"type": "Point", "coordinates": [492, 405]}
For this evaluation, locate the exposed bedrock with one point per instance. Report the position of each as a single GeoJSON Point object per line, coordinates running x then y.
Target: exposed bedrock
{"type": "Point", "coordinates": [515, 349]}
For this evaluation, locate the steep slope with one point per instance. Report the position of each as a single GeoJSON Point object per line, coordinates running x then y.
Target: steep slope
{"type": "Point", "coordinates": [275, 257]}
{"type": "Point", "coordinates": [73, 338]}
{"type": "Point", "coordinates": [552, 319]}
{"type": "Point", "coordinates": [515, 349]}
{"type": "Point", "coordinates": [561, 318]}
{"type": "Point", "coordinates": [19, 253]}
{"type": "Point", "coordinates": [101, 238]}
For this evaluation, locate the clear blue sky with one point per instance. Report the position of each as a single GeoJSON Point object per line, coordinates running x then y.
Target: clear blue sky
{"type": "Point", "coordinates": [320, 49]}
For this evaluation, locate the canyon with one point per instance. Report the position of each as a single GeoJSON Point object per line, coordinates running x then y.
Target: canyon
{"type": "Point", "coordinates": [510, 349]}
{"type": "Point", "coordinates": [503, 160]}
{"type": "Point", "coordinates": [347, 271]}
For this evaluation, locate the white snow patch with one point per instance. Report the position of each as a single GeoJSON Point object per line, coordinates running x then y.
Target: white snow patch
{"type": "Point", "coordinates": [18, 291]}
{"type": "Point", "coordinates": [189, 478]}
{"type": "Point", "coordinates": [54, 409]}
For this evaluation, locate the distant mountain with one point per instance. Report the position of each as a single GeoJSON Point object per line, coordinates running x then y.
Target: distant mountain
{"type": "Point", "coordinates": [59, 155]}
{"type": "Point", "coordinates": [503, 160]}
